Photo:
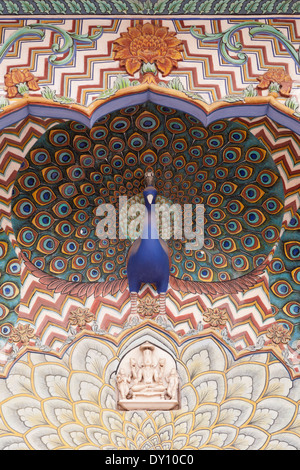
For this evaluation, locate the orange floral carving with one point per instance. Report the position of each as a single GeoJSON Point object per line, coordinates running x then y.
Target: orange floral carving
{"type": "Point", "coordinates": [16, 77]}
{"type": "Point", "coordinates": [215, 317]}
{"type": "Point", "coordinates": [21, 334]}
{"type": "Point", "coordinates": [148, 43]}
{"type": "Point", "coordinates": [80, 317]}
{"type": "Point", "coordinates": [278, 334]}
{"type": "Point", "coordinates": [148, 307]}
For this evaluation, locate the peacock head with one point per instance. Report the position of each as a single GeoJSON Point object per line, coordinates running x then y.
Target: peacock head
{"type": "Point", "coordinates": [149, 177]}
{"type": "Point", "coordinates": [150, 194]}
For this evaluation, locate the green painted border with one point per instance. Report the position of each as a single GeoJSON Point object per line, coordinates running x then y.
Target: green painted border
{"type": "Point", "coordinates": [148, 7]}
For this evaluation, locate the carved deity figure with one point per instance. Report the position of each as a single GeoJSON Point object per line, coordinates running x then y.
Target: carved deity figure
{"type": "Point", "coordinates": [123, 384]}
{"type": "Point", "coordinates": [172, 380]}
{"type": "Point", "coordinates": [133, 369]}
{"type": "Point", "coordinates": [148, 379]}
{"type": "Point", "coordinates": [143, 381]}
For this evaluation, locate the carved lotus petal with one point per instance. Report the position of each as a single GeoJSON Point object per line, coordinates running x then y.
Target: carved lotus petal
{"type": "Point", "coordinates": [246, 381]}
{"type": "Point", "coordinates": [87, 413]}
{"type": "Point", "coordinates": [210, 388]}
{"type": "Point", "coordinates": [264, 418]}
{"type": "Point", "coordinates": [130, 430]}
{"type": "Point", "coordinates": [112, 420]}
{"type": "Point", "coordinates": [162, 418]}
{"type": "Point", "coordinates": [205, 416]}
{"type": "Point", "coordinates": [31, 416]}
{"type": "Point", "coordinates": [166, 433]}
{"type": "Point", "coordinates": [244, 442]}
{"type": "Point", "coordinates": [199, 438]}
{"type": "Point", "coordinates": [21, 414]}
{"type": "Point", "coordinates": [235, 412]}
{"type": "Point", "coordinates": [136, 418]}
{"type": "Point", "coordinates": [183, 424]}
{"type": "Point", "coordinates": [48, 440]}
{"type": "Point", "coordinates": [118, 439]}
{"type": "Point", "coordinates": [91, 356]}
{"type": "Point", "coordinates": [188, 398]}
{"type": "Point", "coordinates": [279, 382]}
{"type": "Point", "coordinates": [239, 387]}
{"type": "Point", "coordinates": [51, 380]}
{"type": "Point", "coordinates": [279, 386]}
{"type": "Point", "coordinates": [108, 397]}
{"type": "Point", "coordinates": [74, 435]}
{"type": "Point", "coordinates": [141, 442]}
{"type": "Point", "coordinates": [5, 392]}
{"type": "Point", "coordinates": [179, 442]}
{"type": "Point", "coordinates": [250, 438]}
{"type": "Point", "coordinates": [148, 428]}
{"type": "Point", "coordinates": [204, 357]}
{"type": "Point", "coordinates": [274, 414]}
{"type": "Point", "coordinates": [20, 380]}
{"type": "Point", "coordinates": [284, 441]}
{"type": "Point", "coordinates": [58, 412]}
{"type": "Point", "coordinates": [110, 369]}
{"type": "Point", "coordinates": [85, 387]}
{"type": "Point", "coordinates": [222, 436]}
{"type": "Point", "coordinates": [98, 436]}
{"type": "Point", "coordinates": [12, 443]}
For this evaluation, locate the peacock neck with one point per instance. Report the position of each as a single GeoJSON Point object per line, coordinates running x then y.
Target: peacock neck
{"type": "Point", "coordinates": [150, 231]}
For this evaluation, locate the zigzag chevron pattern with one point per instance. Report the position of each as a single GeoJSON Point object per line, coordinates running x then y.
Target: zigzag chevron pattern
{"type": "Point", "coordinates": [284, 147]}
{"type": "Point", "coordinates": [202, 70]}
{"type": "Point", "coordinates": [15, 142]}
{"type": "Point", "coordinates": [49, 313]}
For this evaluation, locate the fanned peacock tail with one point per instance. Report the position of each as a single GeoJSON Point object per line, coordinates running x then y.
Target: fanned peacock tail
{"type": "Point", "coordinates": [284, 276]}
{"type": "Point", "coordinates": [72, 169]}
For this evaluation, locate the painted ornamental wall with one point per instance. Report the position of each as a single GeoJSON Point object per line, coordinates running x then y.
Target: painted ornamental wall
{"type": "Point", "coordinates": [184, 340]}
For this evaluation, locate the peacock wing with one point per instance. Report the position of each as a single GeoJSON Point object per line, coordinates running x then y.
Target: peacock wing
{"type": "Point", "coordinates": [79, 289]}
{"type": "Point", "coordinates": [233, 286]}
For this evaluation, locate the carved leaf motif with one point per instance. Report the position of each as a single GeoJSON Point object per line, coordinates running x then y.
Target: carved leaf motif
{"type": "Point", "coordinates": [240, 387]}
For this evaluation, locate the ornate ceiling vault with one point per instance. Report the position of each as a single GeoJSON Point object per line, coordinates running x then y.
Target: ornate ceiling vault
{"type": "Point", "coordinates": [92, 97]}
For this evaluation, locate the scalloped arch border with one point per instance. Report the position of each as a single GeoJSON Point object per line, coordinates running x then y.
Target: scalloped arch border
{"type": "Point", "coordinates": [206, 113]}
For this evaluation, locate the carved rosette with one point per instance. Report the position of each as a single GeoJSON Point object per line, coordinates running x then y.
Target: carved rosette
{"type": "Point", "coordinates": [150, 49]}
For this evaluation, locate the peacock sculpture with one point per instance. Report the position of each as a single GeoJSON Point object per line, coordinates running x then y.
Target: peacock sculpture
{"type": "Point", "coordinates": [72, 169]}
{"type": "Point", "coordinates": [149, 259]}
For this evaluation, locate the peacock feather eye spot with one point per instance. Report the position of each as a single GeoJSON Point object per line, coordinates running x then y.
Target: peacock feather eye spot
{"type": "Point", "coordinates": [215, 142]}
{"type": "Point", "coordinates": [41, 157]}
{"type": "Point", "coordinates": [6, 329]}
{"type": "Point", "coordinates": [27, 236]}
{"type": "Point", "coordinates": [237, 136]}
{"type": "Point", "coordinates": [130, 110]}
{"type": "Point", "coordinates": [218, 126]}
{"type": "Point", "coordinates": [59, 137]}
{"type": "Point", "coordinates": [166, 110]}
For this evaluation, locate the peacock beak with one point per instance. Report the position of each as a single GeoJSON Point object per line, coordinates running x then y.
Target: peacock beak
{"type": "Point", "coordinates": [150, 198]}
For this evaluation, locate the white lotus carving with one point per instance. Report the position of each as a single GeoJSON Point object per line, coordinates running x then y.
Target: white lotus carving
{"type": "Point", "coordinates": [70, 403]}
